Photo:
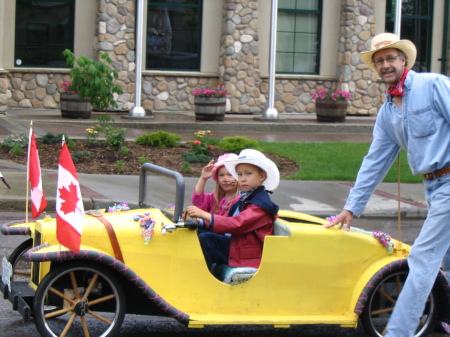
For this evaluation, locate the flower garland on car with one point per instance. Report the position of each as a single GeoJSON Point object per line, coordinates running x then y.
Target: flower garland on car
{"type": "Point", "coordinates": [148, 226]}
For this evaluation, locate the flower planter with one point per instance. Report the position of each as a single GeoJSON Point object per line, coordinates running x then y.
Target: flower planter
{"type": "Point", "coordinates": [74, 107]}
{"type": "Point", "coordinates": [331, 111]}
{"type": "Point", "coordinates": [209, 108]}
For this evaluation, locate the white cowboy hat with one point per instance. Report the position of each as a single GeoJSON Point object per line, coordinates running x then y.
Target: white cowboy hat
{"type": "Point", "coordinates": [386, 41]}
{"type": "Point", "coordinates": [254, 157]}
{"type": "Point", "coordinates": [221, 162]}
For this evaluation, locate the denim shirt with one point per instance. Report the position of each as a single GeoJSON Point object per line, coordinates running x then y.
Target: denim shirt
{"type": "Point", "coordinates": [422, 128]}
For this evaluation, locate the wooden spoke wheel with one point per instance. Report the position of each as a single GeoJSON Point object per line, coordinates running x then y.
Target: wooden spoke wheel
{"type": "Point", "coordinates": [21, 266]}
{"type": "Point", "coordinates": [90, 299]}
{"type": "Point", "coordinates": [381, 302]}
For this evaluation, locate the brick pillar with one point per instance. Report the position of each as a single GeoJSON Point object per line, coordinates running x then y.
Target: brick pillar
{"type": "Point", "coordinates": [239, 55]}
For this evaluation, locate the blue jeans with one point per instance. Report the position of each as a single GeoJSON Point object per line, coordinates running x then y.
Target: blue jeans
{"type": "Point", "coordinates": [216, 247]}
{"type": "Point", "coordinates": [430, 249]}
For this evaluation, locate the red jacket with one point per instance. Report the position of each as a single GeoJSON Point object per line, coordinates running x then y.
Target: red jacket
{"type": "Point", "coordinates": [247, 230]}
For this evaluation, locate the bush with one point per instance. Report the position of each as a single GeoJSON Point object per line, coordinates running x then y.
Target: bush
{"type": "Point", "coordinates": [186, 167]}
{"type": "Point", "coordinates": [143, 159]}
{"type": "Point", "coordinates": [15, 141]}
{"type": "Point", "coordinates": [195, 158]}
{"type": "Point", "coordinates": [237, 144]}
{"type": "Point", "coordinates": [81, 156]}
{"type": "Point", "coordinates": [114, 137]}
{"type": "Point", "coordinates": [161, 139]}
{"type": "Point", "coordinates": [50, 138]}
{"type": "Point", "coordinates": [123, 151]}
{"type": "Point", "coordinates": [17, 150]}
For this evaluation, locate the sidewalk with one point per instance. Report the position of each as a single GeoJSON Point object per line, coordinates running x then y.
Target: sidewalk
{"type": "Point", "coordinates": [321, 198]}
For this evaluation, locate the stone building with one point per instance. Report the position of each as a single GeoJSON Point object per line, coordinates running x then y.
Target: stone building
{"type": "Point", "coordinates": [200, 44]}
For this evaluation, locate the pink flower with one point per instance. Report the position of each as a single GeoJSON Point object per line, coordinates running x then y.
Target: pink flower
{"type": "Point", "coordinates": [335, 95]}
{"type": "Point", "coordinates": [218, 93]}
{"type": "Point", "coordinates": [197, 142]}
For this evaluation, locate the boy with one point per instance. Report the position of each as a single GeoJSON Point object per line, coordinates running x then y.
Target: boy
{"type": "Point", "coordinates": [249, 220]}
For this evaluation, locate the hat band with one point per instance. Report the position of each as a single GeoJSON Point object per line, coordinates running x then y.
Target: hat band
{"type": "Point", "coordinates": [382, 44]}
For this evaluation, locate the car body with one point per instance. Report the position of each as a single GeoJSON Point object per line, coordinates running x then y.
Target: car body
{"type": "Point", "coordinates": [308, 275]}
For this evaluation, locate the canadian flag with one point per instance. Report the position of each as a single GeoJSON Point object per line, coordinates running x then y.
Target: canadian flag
{"type": "Point", "coordinates": [69, 203]}
{"type": "Point", "coordinates": [38, 201]}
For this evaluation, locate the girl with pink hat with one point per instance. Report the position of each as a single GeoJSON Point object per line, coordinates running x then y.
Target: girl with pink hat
{"type": "Point", "coordinates": [226, 191]}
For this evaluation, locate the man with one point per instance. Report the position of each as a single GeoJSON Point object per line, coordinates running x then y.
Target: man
{"type": "Point", "coordinates": [415, 117]}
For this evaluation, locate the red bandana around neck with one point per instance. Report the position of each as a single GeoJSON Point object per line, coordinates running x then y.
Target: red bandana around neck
{"type": "Point", "coordinates": [397, 88]}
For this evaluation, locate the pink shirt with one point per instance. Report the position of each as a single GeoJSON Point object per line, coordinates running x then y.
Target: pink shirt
{"type": "Point", "coordinates": [205, 201]}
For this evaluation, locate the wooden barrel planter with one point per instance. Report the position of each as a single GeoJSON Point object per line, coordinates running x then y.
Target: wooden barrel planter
{"type": "Point", "coordinates": [74, 107]}
{"type": "Point", "coordinates": [331, 111]}
{"type": "Point", "coordinates": [209, 108]}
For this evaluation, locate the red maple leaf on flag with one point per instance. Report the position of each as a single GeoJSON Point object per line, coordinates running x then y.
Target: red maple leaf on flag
{"type": "Point", "coordinates": [69, 203]}
{"type": "Point", "coordinates": [70, 198]}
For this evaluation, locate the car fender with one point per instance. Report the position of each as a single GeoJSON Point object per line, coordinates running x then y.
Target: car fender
{"type": "Point", "coordinates": [48, 253]}
{"type": "Point", "coordinates": [17, 228]}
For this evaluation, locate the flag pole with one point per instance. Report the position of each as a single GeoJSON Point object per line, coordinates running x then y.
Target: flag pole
{"type": "Point", "coordinates": [28, 172]}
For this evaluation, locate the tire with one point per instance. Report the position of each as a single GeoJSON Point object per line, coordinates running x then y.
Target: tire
{"type": "Point", "coordinates": [381, 301]}
{"type": "Point", "coordinates": [21, 266]}
{"type": "Point", "coordinates": [100, 310]}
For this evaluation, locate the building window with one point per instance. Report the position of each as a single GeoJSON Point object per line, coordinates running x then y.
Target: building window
{"type": "Point", "coordinates": [43, 30]}
{"type": "Point", "coordinates": [173, 34]}
{"type": "Point", "coordinates": [416, 26]}
{"type": "Point", "coordinates": [298, 36]}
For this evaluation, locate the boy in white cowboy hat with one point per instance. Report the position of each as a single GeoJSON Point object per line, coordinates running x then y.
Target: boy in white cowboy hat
{"type": "Point", "coordinates": [415, 117]}
{"type": "Point", "coordinates": [249, 220]}
{"type": "Point", "coordinates": [225, 192]}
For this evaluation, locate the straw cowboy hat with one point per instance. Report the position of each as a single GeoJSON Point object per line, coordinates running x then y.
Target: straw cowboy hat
{"type": "Point", "coordinates": [221, 162]}
{"type": "Point", "coordinates": [253, 157]}
{"type": "Point", "coordinates": [386, 41]}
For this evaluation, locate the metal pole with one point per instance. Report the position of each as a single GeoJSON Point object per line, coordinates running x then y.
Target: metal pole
{"type": "Point", "coordinates": [137, 110]}
{"type": "Point", "coordinates": [398, 17]}
{"type": "Point", "coordinates": [271, 112]}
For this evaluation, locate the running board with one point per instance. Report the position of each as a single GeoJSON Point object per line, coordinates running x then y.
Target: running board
{"type": "Point", "coordinates": [200, 320]}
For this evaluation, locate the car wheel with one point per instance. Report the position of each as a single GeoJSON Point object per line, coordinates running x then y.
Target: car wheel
{"type": "Point", "coordinates": [380, 304]}
{"type": "Point", "coordinates": [21, 266]}
{"type": "Point", "coordinates": [90, 298]}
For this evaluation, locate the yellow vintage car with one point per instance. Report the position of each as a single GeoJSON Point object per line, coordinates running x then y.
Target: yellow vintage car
{"type": "Point", "coordinates": [308, 274]}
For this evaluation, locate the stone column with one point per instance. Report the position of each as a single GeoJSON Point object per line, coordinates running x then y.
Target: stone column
{"type": "Point", "coordinates": [115, 34]}
{"type": "Point", "coordinates": [3, 91]}
{"type": "Point", "coordinates": [239, 55]}
{"type": "Point", "coordinates": [356, 30]}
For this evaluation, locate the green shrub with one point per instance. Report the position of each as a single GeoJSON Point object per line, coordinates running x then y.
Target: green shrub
{"type": "Point", "coordinates": [143, 159]}
{"type": "Point", "coordinates": [120, 165]}
{"type": "Point", "coordinates": [71, 144]}
{"type": "Point", "coordinates": [195, 158]}
{"type": "Point", "coordinates": [186, 167]}
{"type": "Point", "coordinates": [161, 139]}
{"type": "Point", "coordinates": [20, 140]}
{"type": "Point", "coordinates": [114, 137]}
{"type": "Point", "coordinates": [50, 138]}
{"type": "Point", "coordinates": [81, 156]}
{"type": "Point", "coordinates": [17, 150]}
{"type": "Point", "coordinates": [123, 151]}
{"type": "Point", "coordinates": [237, 144]}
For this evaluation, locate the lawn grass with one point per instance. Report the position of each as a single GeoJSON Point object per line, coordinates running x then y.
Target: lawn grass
{"type": "Point", "coordinates": [333, 161]}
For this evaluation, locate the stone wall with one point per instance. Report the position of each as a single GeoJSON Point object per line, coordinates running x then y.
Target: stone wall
{"type": "Point", "coordinates": [238, 66]}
